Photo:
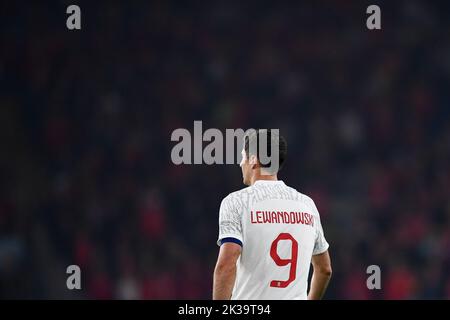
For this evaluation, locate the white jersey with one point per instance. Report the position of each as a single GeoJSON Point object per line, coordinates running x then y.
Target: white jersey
{"type": "Point", "coordinates": [279, 229]}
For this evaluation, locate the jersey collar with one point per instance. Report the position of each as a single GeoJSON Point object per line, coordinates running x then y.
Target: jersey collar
{"type": "Point", "coordinates": [268, 182]}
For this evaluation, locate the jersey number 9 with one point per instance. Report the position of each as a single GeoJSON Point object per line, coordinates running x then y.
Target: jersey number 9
{"type": "Point", "coordinates": [284, 262]}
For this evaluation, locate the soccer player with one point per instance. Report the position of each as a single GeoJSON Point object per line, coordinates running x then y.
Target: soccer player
{"type": "Point", "coordinates": [269, 234]}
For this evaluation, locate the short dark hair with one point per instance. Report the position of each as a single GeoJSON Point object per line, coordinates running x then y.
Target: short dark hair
{"type": "Point", "coordinates": [252, 136]}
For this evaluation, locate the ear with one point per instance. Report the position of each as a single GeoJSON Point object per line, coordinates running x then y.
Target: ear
{"type": "Point", "coordinates": [253, 161]}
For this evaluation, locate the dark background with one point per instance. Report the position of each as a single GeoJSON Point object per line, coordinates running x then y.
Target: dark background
{"type": "Point", "coordinates": [86, 117]}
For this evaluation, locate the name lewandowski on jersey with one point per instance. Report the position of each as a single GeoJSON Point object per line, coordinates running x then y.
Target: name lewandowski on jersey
{"type": "Point", "coordinates": [292, 217]}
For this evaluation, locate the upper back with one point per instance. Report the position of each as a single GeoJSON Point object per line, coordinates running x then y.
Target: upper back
{"type": "Point", "coordinates": [279, 229]}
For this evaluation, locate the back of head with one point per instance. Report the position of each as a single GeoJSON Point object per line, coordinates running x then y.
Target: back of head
{"type": "Point", "coordinates": [268, 146]}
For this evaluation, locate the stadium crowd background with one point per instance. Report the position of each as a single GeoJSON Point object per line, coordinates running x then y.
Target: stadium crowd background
{"type": "Point", "coordinates": [86, 117]}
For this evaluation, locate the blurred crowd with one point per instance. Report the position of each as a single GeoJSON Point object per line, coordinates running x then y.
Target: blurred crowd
{"type": "Point", "coordinates": [86, 118]}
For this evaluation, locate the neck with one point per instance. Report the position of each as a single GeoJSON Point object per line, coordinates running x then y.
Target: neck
{"type": "Point", "coordinates": [266, 177]}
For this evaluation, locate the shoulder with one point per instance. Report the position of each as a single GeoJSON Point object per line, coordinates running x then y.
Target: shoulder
{"type": "Point", "coordinates": [306, 200]}
{"type": "Point", "coordinates": [237, 198]}
{"type": "Point", "coordinates": [236, 195]}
